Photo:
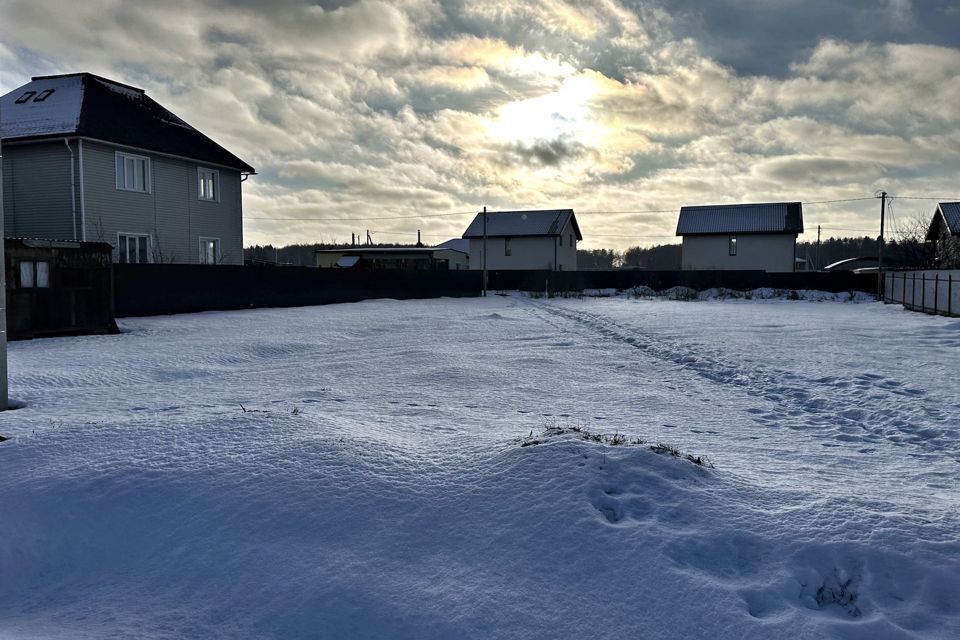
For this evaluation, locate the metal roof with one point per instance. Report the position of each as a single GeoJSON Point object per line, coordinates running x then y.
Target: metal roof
{"type": "Point", "coordinates": [86, 105]}
{"type": "Point", "coordinates": [951, 213]}
{"type": "Point", "coordinates": [770, 217]}
{"type": "Point", "coordinates": [455, 244]}
{"type": "Point", "coordinates": [546, 222]}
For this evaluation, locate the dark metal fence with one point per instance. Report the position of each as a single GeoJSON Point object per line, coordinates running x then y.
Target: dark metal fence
{"type": "Point", "coordinates": [936, 292]}
{"type": "Point", "coordinates": [152, 289]}
{"type": "Point", "coordinates": [558, 281]}
{"type": "Point", "coordinates": [159, 289]}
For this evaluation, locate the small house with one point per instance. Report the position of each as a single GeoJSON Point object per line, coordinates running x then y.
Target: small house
{"type": "Point", "coordinates": [510, 240]}
{"type": "Point", "coordinates": [744, 237]}
{"type": "Point", "coordinates": [944, 234]}
{"type": "Point", "coordinates": [392, 258]}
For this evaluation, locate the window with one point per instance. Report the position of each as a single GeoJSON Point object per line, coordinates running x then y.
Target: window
{"type": "Point", "coordinates": [209, 184]}
{"type": "Point", "coordinates": [133, 173]}
{"type": "Point", "coordinates": [733, 245]}
{"type": "Point", "coordinates": [26, 96]}
{"type": "Point", "coordinates": [46, 93]}
{"type": "Point", "coordinates": [561, 239]}
{"type": "Point", "coordinates": [210, 251]}
{"type": "Point", "coordinates": [34, 274]}
{"type": "Point", "coordinates": [506, 247]}
{"type": "Point", "coordinates": [133, 248]}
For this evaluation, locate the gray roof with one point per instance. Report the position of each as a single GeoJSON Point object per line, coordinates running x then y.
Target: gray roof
{"type": "Point", "coordinates": [455, 244]}
{"type": "Point", "coordinates": [547, 222]}
{"type": "Point", "coordinates": [771, 217]}
{"type": "Point", "coordinates": [85, 105]}
{"type": "Point", "coordinates": [951, 214]}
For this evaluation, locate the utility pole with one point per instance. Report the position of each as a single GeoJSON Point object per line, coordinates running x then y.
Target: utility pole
{"type": "Point", "coordinates": [816, 266]}
{"type": "Point", "coordinates": [883, 212]}
{"type": "Point", "coordinates": [484, 251]}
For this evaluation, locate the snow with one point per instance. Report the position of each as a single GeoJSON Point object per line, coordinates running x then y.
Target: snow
{"type": "Point", "coordinates": [59, 113]}
{"type": "Point", "coordinates": [373, 484]}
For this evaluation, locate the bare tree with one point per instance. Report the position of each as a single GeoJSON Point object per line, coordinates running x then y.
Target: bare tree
{"type": "Point", "coordinates": [910, 247]}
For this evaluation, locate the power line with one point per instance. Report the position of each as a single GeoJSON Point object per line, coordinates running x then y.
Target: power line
{"type": "Point", "coordinates": [943, 198]}
{"type": "Point", "coordinates": [463, 213]}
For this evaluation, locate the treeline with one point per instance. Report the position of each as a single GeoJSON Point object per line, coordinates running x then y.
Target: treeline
{"type": "Point", "coordinates": [662, 257]}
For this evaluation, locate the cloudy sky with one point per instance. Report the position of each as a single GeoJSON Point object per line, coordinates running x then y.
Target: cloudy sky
{"type": "Point", "coordinates": [406, 115]}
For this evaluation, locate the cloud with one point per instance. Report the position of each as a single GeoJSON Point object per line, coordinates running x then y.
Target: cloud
{"type": "Point", "coordinates": [369, 108]}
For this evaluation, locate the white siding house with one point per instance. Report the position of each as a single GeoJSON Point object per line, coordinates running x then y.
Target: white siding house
{"type": "Point", "coordinates": [744, 237]}
{"type": "Point", "coordinates": [90, 159]}
{"type": "Point", "coordinates": [545, 239]}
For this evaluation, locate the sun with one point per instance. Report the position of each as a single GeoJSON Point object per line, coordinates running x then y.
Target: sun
{"type": "Point", "coordinates": [563, 114]}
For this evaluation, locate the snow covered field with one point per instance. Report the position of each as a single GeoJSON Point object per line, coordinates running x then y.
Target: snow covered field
{"type": "Point", "coordinates": [373, 486]}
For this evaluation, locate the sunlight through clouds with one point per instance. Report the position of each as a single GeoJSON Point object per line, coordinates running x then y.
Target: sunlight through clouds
{"type": "Point", "coordinates": [418, 107]}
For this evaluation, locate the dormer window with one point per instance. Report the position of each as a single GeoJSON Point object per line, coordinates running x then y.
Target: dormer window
{"type": "Point", "coordinates": [44, 95]}
{"type": "Point", "coordinates": [26, 96]}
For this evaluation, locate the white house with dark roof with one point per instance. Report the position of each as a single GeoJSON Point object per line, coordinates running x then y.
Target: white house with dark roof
{"type": "Point", "coordinates": [87, 158]}
{"type": "Point", "coordinates": [545, 239]}
{"type": "Point", "coordinates": [944, 234]}
{"type": "Point", "coordinates": [740, 236]}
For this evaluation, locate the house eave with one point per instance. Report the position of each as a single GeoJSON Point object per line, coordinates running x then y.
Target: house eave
{"type": "Point", "coordinates": [245, 170]}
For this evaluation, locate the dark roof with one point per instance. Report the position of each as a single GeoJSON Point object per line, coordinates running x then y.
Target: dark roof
{"type": "Point", "coordinates": [772, 217]}
{"type": "Point", "coordinates": [86, 105]}
{"type": "Point", "coordinates": [950, 213]}
{"type": "Point", "coordinates": [455, 244]}
{"type": "Point", "coordinates": [547, 222]}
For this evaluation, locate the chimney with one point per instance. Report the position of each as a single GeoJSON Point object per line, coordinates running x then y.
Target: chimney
{"type": "Point", "coordinates": [419, 244]}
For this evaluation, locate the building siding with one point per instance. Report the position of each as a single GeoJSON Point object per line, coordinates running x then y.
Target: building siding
{"type": "Point", "coordinates": [764, 252]}
{"type": "Point", "coordinates": [171, 213]}
{"type": "Point", "coordinates": [527, 252]}
{"type": "Point", "coordinates": [36, 190]}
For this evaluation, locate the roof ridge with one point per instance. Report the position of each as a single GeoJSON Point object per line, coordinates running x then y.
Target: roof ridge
{"type": "Point", "coordinates": [87, 74]}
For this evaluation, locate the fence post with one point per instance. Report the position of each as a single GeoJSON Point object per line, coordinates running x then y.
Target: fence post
{"type": "Point", "coordinates": [936, 297]}
{"type": "Point", "coordinates": [913, 292]}
{"type": "Point", "coordinates": [950, 294]}
{"type": "Point", "coordinates": [923, 292]}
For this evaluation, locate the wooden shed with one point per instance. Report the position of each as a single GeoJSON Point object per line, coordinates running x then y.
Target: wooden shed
{"type": "Point", "coordinates": [57, 287]}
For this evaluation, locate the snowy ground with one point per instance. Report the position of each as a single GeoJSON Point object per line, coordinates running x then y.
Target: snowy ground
{"type": "Point", "coordinates": [374, 487]}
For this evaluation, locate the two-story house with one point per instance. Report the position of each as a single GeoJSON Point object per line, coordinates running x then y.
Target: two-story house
{"type": "Point", "coordinates": [544, 239]}
{"type": "Point", "coordinates": [87, 158]}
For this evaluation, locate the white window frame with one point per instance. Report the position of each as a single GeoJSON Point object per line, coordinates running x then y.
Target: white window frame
{"type": "Point", "coordinates": [123, 247]}
{"type": "Point", "coordinates": [216, 184]}
{"type": "Point", "coordinates": [218, 251]}
{"type": "Point", "coordinates": [122, 156]}
{"type": "Point", "coordinates": [32, 270]}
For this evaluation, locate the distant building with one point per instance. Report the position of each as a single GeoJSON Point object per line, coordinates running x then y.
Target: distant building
{"type": "Point", "coordinates": [944, 234]}
{"type": "Point", "coordinates": [372, 257]}
{"type": "Point", "coordinates": [745, 237]}
{"type": "Point", "coordinates": [91, 159]}
{"type": "Point", "coordinates": [545, 239]}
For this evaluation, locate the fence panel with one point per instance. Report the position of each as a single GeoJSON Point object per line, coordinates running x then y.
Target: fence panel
{"type": "Point", "coordinates": [934, 291]}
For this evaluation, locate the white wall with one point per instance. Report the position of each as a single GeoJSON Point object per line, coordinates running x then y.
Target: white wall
{"type": "Point", "coordinates": [527, 252]}
{"type": "Point", "coordinates": [766, 252]}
